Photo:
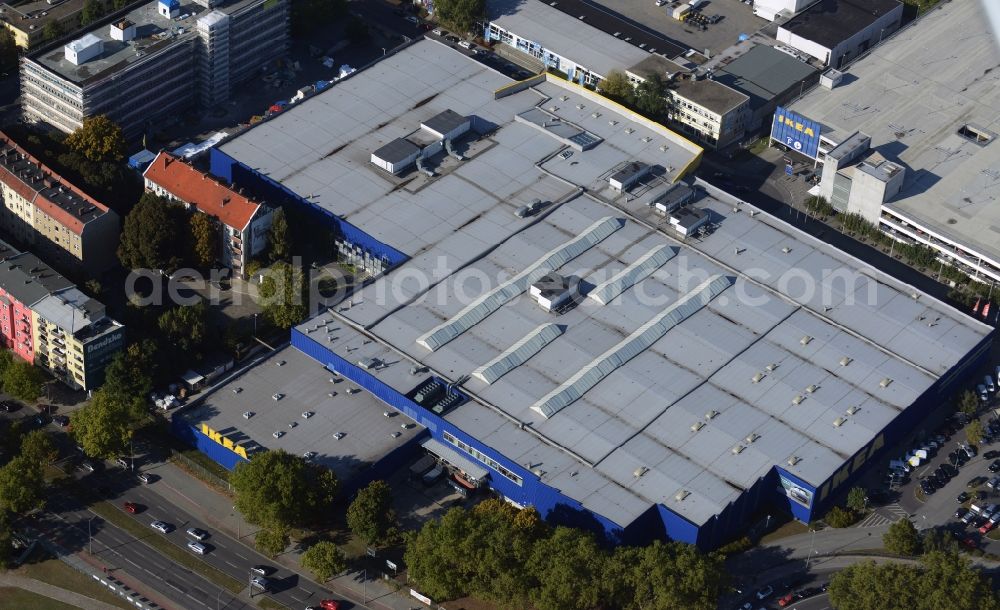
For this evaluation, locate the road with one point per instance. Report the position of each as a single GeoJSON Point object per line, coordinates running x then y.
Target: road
{"type": "Point", "coordinates": [224, 553]}
{"type": "Point", "coordinates": [66, 522]}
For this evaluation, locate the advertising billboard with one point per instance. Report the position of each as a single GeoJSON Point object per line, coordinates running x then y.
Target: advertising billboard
{"type": "Point", "coordinates": [795, 492]}
{"type": "Point", "coordinates": [796, 132]}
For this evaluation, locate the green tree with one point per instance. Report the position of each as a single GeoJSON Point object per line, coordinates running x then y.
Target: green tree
{"type": "Point", "coordinates": [52, 30]}
{"type": "Point", "coordinates": [151, 233]}
{"type": "Point", "coordinates": [840, 517]}
{"type": "Point", "coordinates": [283, 295]}
{"type": "Point", "coordinates": [23, 380]}
{"type": "Point", "coordinates": [460, 15]}
{"type": "Point", "coordinates": [650, 97]}
{"type": "Point", "coordinates": [434, 557]}
{"type": "Point", "coordinates": [119, 4]}
{"type": "Point", "coordinates": [324, 560]}
{"type": "Point", "coordinates": [617, 87]}
{"type": "Point", "coordinates": [37, 447]}
{"type": "Point", "coordinates": [91, 12]}
{"type": "Point", "coordinates": [21, 485]}
{"type": "Point", "coordinates": [857, 500]}
{"type": "Point", "coordinates": [968, 403]}
{"type": "Point", "coordinates": [941, 581]}
{"type": "Point", "coordinates": [98, 139]}
{"type": "Point", "coordinates": [8, 50]}
{"type": "Point", "coordinates": [279, 490]}
{"type": "Point", "coordinates": [370, 515]}
{"type": "Point", "coordinates": [902, 538]}
{"type": "Point", "coordinates": [278, 238]}
{"type": "Point", "coordinates": [272, 540]}
{"type": "Point", "coordinates": [569, 567]}
{"type": "Point", "coordinates": [974, 432]}
{"type": "Point", "coordinates": [939, 539]}
{"type": "Point", "coordinates": [6, 540]}
{"type": "Point", "coordinates": [204, 240]}
{"type": "Point", "coordinates": [665, 576]}
{"type": "Point", "coordinates": [185, 330]}
{"type": "Point", "coordinates": [103, 427]}
{"type": "Point", "coordinates": [129, 375]}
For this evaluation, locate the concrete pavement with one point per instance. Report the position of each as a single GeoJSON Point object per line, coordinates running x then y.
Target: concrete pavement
{"type": "Point", "coordinates": [53, 592]}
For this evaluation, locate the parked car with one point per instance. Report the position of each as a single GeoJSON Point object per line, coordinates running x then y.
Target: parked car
{"type": "Point", "coordinates": [144, 478]}
{"type": "Point", "coordinates": [962, 497]}
{"type": "Point", "coordinates": [765, 593]}
{"type": "Point", "coordinates": [131, 508]}
{"type": "Point", "coordinates": [961, 513]}
{"type": "Point", "coordinates": [329, 604]}
{"type": "Point", "coordinates": [196, 547]}
{"type": "Point", "coordinates": [991, 455]}
{"type": "Point", "coordinates": [975, 482]}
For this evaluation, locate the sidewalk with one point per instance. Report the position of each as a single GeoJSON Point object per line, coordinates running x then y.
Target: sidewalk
{"type": "Point", "coordinates": [53, 592]}
{"type": "Point", "coordinates": [216, 510]}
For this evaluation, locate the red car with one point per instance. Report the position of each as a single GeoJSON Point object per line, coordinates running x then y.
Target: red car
{"type": "Point", "coordinates": [786, 599]}
{"type": "Point", "coordinates": [131, 507]}
{"type": "Point", "coordinates": [329, 604]}
{"type": "Point", "coordinates": [970, 543]}
{"type": "Point", "coordinates": [987, 527]}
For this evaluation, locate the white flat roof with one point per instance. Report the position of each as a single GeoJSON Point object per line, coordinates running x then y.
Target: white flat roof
{"type": "Point", "coordinates": [573, 39]}
{"type": "Point", "coordinates": [466, 242]}
{"type": "Point", "coordinates": [912, 94]}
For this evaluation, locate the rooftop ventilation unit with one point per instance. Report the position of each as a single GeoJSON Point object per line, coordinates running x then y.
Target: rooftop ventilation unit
{"type": "Point", "coordinates": [629, 130]}
{"type": "Point", "coordinates": [770, 368]}
{"type": "Point", "coordinates": [852, 410]}
{"type": "Point", "coordinates": [681, 495]}
{"type": "Point", "coordinates": [564, 97]}
{"type": "Point", "coordinates": [595, 115]}
{"type": "Point", "coordinates": [812, 389]}
{"type": "Point", "coordinates": [641, 470]}
{"type": "Point", "coordinates": [845, 361]}
{"type": "Point", "coordinates": [738, 449]}
{"type": "Point", "coordinates": [805, 340]}
{"type": "Point", "coordinates": [752, 437]}
{"type": "Point", "coordinates": [793, 460]}
{"type": "Point", "coordinates": [786, 249]}
{"type": "Point", "coordinates": [798, 399]}
{"type": "Point", "coordinates": [579, 106]}
{"type": "Point", "coordinates": [839, 422]}
{"type": "Point", "coordinates": [711, 414]}
{"type": "Point", "coordinates": [698, 425]}
{"type": "Point", "coordinates": [885, 383]}
{"type": "Point", "coordinates": [756, 378]}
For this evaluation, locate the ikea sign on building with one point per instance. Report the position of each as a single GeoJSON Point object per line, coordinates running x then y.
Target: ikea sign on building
{"type": "Point", "coordinates": [796, 132]}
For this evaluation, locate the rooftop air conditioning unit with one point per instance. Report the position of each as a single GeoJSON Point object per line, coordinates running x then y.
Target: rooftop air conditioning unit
{"type": "Point", "coordinates": [805, 340]}
{"type": "Point", "coordinates": [798, 399]}
{"type": "Point", "coordinates": [839, 422]}
{"type": "Point", "coordinates": [885, 383]}
{"type": "Point", "coordinates": [711, 414]}
{"type": "Point", "coordinates": [845, 361]}
{"type": "Point", "coordinates": [752, 437]}
{"type": "Point", "coordinates": [852, 410]}
{"type": "Point", "coordinates": [641, 470]}
{"type": "Point", "coordinates": [771, 367]}
{"type": "Point", "coordinates": [811, 389]}
{"type": "Point", "coordinates": [680, 495]}
{"type": "Point", "coordinates": [793, 460]}
{"type": "Point", "coordinates": [698, 425]}
{"type": "Point", "coordinates": [756, 378]}
{"type": "Point", "coordinates": [738, 449]}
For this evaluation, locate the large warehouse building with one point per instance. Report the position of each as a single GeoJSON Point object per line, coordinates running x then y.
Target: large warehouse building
{"type": "Point", "coordinates": [547, 321]}
{"type": "Point", "coordinates": [934, 172]}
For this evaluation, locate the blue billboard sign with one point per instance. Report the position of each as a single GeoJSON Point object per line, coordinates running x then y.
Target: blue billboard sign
{"type": "Point", "coordinates": [796, 132]}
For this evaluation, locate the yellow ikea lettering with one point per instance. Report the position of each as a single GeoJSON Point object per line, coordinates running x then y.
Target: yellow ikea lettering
{"type": "Point", "coordinates": [798, 126]}
{"type": "Point", "coordinates": [225, 442]}
{"type": "Point", "coordinates": [809, 131]}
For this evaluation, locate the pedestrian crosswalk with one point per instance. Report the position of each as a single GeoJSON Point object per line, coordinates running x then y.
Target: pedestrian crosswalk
{"type": "Point", "coordinates": [884, 515]}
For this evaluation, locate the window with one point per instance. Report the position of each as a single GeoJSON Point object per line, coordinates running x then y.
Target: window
{"type": "Point", "coordinates": [975, 134]}
{"type": "Point", "coordinates": [485, 459]}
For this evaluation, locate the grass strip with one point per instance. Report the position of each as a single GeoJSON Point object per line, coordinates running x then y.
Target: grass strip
{"type": "Point", "coordinates": [12, 598]}
{"type": "Point", "coordinates": [45, 568]}
{"type": "Point", "coordinates": [111, 514]}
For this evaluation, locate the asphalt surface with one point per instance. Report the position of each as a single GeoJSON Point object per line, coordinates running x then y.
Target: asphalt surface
{"type": "Point", "coordinates": [224, 553]}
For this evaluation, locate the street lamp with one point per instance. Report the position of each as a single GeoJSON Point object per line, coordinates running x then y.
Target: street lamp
{"type": "Point", "coordinates": [90, 535]}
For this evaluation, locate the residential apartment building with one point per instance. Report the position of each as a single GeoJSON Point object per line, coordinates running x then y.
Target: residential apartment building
{"type": "Point", "coordinates": [243, 223]}
{"type": "Point", "coordinates": [162, 58]}
{"type": "Point", "coordinates": [26, 21]}
{"type": "Point", "coordinates": [46, 320]}
{"type": "Point", "coordinates": [43, 210]}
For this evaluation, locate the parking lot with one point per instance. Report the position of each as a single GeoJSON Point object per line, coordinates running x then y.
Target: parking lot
{"type": "Point", "coordinates": [950, 485]}
{"type": "Point", "coordinates": [736, 18]}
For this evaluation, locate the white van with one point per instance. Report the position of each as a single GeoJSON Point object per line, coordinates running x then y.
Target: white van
{"type": "Point", "coordinates": [988, 380]}
{"type": "Point", "coordinates": [465, 44]}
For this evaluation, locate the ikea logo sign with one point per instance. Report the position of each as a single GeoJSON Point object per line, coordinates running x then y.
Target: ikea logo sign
{"type": "Point", "coordinates": [796, 132]}
{"type": "Point", "coordinates": [225, 442]}
{"type": "Point", "coordinates": [805, 129]}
